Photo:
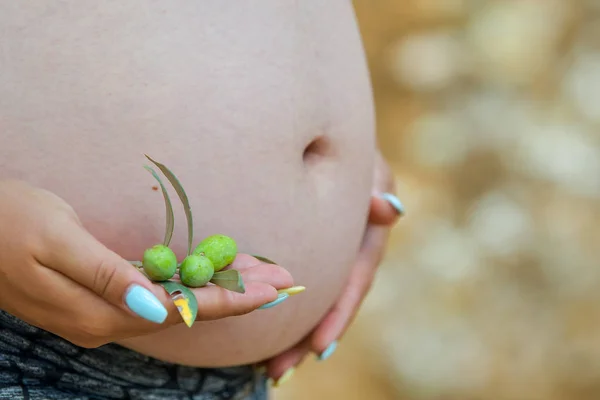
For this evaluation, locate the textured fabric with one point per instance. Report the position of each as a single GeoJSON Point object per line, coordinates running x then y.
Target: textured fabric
{"type": "Point", "coordinates": [37, 365]}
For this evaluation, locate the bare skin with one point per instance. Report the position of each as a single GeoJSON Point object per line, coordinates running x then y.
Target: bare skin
{"type": "Point", "coordinates": [263, 110]}
{"type": "Point", "coordinates": [331, 329]}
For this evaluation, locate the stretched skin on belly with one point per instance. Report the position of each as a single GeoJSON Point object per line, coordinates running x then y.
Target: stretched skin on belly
{"type": "Point", "coordinates": [263, 110]}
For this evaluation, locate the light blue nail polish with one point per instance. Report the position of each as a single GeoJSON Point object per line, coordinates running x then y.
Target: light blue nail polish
{"type": "Point", "coordinates": [142, 302]}
{"type": "Point", "coordinates": [328, 351]}
{"type": "Point", "coordinates": [280, 298]}
{"type": "Point", "coordinates": [394, 201]}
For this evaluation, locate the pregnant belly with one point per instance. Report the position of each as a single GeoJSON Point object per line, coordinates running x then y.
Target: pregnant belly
{"type": "Point", "coordinates": [268, 126]}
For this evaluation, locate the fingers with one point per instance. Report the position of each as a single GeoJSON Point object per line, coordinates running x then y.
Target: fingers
{"type": "Point", "coordinates": [87, 320]}
{"type": "Point", "coordinates": [79, 315]}
{"type": "Point", "coordinates": [75, 253]}
{"type": "Point", "coordinates": [333, 326]}
{"type": "Point", "coordinates": [261, 281]}
{"type": "Point", "coordinates": [281, 368]}
{"type": "Point", "coordinates": [324, 339]}
{"type": "Point", "coordinates": [385, 209]}
{"type": "Point", "coordinates": [79, 256]}
{"type": "Point", "coordinates": [257, 271]}
{"type": "Point", "coordinates": [384, 189]}
{"type": "Point", "coordinates": [215, 302]}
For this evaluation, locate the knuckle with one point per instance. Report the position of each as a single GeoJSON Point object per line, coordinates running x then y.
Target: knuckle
{"type": "Point", "coordinates": [104, 274]}
{"type": "Point", "coordinates": [232, 306]}
{"type": "Point", "coordinates": [92, 331]}
{"type": "Point", "coordinates": [229, 305]}
{"type": "Point", "coordinates": [69, 211]}
{"type": "Point", "coordinates": [36, 274]}
{"type": "Point", "coordinates": [239, 311]}
{"type": "Point", "coordinates": [81, 339]}
{"type": "Point", "coordinates": [90, 335]}
{"type": "Point", "coordinates": [51, 230]}
{"type": "Point", "coordinates": [87, 342]}
{"type": "Point", "coordinates": [56, 220]}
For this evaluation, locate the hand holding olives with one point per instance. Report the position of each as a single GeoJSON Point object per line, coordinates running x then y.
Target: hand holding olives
{"type": "Point", "coordinates": [206, 264]}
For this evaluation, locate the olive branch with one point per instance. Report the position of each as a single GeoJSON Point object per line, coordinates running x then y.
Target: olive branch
{"type": "Point", "coordinates": [184, 298]}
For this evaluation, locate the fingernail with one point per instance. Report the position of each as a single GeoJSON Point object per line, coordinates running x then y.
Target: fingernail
{"type": "Point", "coordinates": [394, 201]}
{"type": "Point", "coordinates": [292, 290]}
{"type": "Point", "coordinates": [280, 298]}
{"type": "Point", "coordinates": [287, 375]}
{"type": "Point", "coordinates": [142, 302]}
{"type": "Point", "coordinates": [328, 351]}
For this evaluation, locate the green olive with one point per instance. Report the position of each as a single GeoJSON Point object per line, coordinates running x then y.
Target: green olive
{"type": "Point", "coordinates": [159, 263]}
{"type": "Point", "coordinates": [196, 270]}
{"type": "Point", "coordinates": [221, 250]}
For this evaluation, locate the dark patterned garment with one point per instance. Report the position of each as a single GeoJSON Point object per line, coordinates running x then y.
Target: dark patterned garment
{"type": "Point", "coordinates": [37, 365]}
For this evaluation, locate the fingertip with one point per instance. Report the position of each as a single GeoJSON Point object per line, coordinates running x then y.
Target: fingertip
{"type": "Point", "coordinates": [379, 217]}
{"type": "Point", "coordinates": [286, 279]}
{"type": "Point", "coordinates": [272, 274]}
{"type": "Point", "coordinates": [145, 304]}
{"type": "Point", "coordinates": [382, 212]}
{"type": "Point", "coordinates": [281, 297]}
{"type": "Point", "coordinates": [328, 332]}
{"type": "Point", "coordinates": [216, 302]}
{"type": "Point", "coordinates": [328, 351]}
{"type": "Point", "coordinates": [271, 292]}
{"type": "Point", "coordinates": [324, 340]}
{"type": "Point", "coordinates": [291, 358]}
{"type": "Point", "coordinates": [395, 202]}
{"type": "Point", "coordinates": [265, 294]}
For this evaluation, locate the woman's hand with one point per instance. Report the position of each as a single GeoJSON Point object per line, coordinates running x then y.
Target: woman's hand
{"type": "Point", "coordinates": [55, 275]}
{"type": "Point", "coordinates": [385, 209]}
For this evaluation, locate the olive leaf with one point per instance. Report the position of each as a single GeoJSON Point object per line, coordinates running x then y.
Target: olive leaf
{"type": "Point", "coordinates": [182, 196]}
{"type": "Point", "coordinates": [264, 259]}
{"type": "Point", "coordinates": [230, 280]}
{"type": "Point", "coordinates": [184, 300]}
{"type": "Point", "coordinates": [170, 217]}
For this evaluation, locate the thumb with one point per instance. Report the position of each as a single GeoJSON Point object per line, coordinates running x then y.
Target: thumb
{"type": "Point", "coordinates": [75, 253]}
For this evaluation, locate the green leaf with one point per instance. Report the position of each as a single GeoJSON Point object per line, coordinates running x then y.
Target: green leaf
{"type": "Point", "coordinates": [184, 299]}
{"type": "Point", "coordinates": [182, 196]}
{"type": "Point", "coordinates": [264, 259]}
{"type": "Point", "coordinates": [230, 280]}
{"type": "Point", "coordinates": [170, 217]}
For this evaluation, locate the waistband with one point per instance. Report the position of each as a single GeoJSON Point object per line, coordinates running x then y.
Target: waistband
{"type": "Point", "coordinates": [38, 365]}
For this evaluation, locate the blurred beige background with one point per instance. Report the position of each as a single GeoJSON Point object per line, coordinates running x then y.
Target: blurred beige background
{"type": "Point", "coordinates": [489, 112]}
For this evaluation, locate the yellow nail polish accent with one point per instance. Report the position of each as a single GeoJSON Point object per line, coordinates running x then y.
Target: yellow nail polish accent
{"type": "Point", "coordinates": [183, 306]}
{"type": "Point", "coordinates": [285, 377]}
{"type": "Point", "coordinates": [292, 290]}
